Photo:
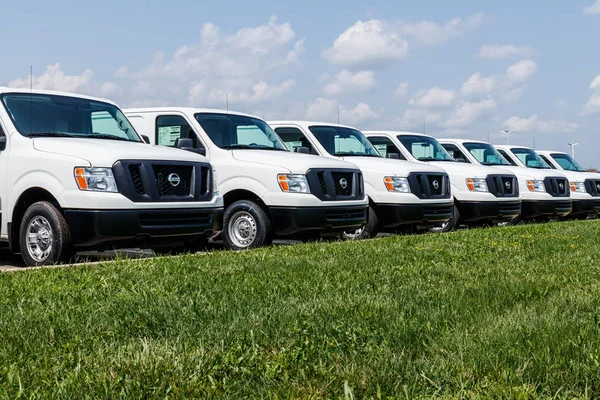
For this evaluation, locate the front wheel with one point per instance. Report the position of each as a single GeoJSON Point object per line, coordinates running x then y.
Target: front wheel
{"type": "Point", "coordinates": [364, 232]}
{"type": "Point", "coordinates": [44, 236]}
{"type": "Point", "coordinates": [450, 225]}
{"type": "Point", "coordinates": [246, 226]}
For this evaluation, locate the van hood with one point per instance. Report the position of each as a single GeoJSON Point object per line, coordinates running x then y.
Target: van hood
{"type": "Point", "coordinates": [533, 173]}
{"type": "Point", "coordinates": [296, 163]}
{"type": "Point", "coordinates": [474, 170]}
{"type": "Point", "coordinates": [104, 153]}
{"type": "Point", "coordinates": [390, 166]}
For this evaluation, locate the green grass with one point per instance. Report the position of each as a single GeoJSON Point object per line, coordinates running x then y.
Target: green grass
{"type": "Point", "coordinates": [511, 312]}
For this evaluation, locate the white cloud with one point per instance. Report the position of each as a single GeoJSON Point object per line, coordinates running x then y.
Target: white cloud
{"type": "Point", "coordinates": [534, 124]}
{"type": "Point", "coordinates": [467, 112]}
{"type": "Point", "coordinates": [434, 97]}
{"type": "Point", "coordinates": [401, 91]}
{"type": "Point", "coordinates": [413, 119]}
{"type": "Point", "coordinates": [432, 33]}
{"type": "Point", "coordinates": [492, 51]}
{"type": "Point", "coordinates": [327, 110]}
{"type": "Point", "coordinates": [368, 42]}
{"type": "Point", "coordinates": [345, 82]}
{"type": "Point", "coordinates": [593, 104]}
{"type": "Point", "coordinates": [593, 9]}
{"type": "Point", "coordinates": [110, 89]}
{"type": "Point", "coordinates": [478, 85]}
{"type": "Point", "coordinates": [54, 78]}
{"type": "Point", "coordinates": [252, 65]}
{"type": "Point", "coordinates": [521, 71]}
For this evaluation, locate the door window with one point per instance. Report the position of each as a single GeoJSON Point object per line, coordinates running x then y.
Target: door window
{"type": "Point", "coordinates": [169, 128]}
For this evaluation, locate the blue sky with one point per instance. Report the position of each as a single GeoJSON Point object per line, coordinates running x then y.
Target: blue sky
{"type": "Point", "coordinates": [462, 69]}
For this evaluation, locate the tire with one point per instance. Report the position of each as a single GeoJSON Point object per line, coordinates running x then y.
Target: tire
{"type": "Point", "coordinates": [450, 225]}
{"type": "Point", "coordinates": [44, 236]}
{"type": "Point", "coordinates": [365, 232]}
{"type": "Point", "coordinates": [246, 226]}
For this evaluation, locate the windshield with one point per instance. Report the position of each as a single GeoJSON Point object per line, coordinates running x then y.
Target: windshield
{"type": "Point", "coordinates": [39, 115]}
{"type": "Point", "coordinates": [529, 158]}
{"type": "Point", "coordinates": [230, 131]}
{"type": "Point", "coordinates": [485, 154]}
{"type": "Point", "coordinates": [340, 141]}
{"type": "Point", "coordinates": [567, 163]}
{"type": "Point", "coordinates": [425, 148]}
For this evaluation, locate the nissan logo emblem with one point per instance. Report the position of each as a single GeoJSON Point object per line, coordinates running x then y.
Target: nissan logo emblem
{"type": "Point", "coordinates": [174, 179]}
{"type": "Point", "coordinates": [561, 186]}
{"type": "Point", "coordinates": [598, 186]}
{"type": "Point", "coordinates": [435, 184]}
{"type": "Point", "coordinates": [343, 183]}
{"type": "Point", "coordinates": [507, 185]}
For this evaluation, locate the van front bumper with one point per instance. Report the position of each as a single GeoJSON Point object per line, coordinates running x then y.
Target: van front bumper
{"type": "Point", "coordinates": [99, 228]}
{"type": "Point", "coordinates": [546, 208]}
{"type": "Point", "coordinates": [287, 221]}
{"type": "Point", "coordinates": [493, 211]}
{"type": "Point", "coordinates": [423, 215]}
{"type": "Point", "coordinates": [587, 206]}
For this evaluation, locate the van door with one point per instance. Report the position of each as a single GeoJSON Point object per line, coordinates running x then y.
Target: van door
{"type": "Point", "coordinates": [169, 128]}
{"type": "Point", "coordinates": [3, 177]}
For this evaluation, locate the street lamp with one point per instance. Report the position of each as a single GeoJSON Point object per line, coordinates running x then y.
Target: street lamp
{"type": "Point", "coordinates": [572, 149]}
{"type": "Point", "coordinates": [508, 134]}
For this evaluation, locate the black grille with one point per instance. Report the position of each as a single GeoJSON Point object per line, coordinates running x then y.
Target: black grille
{"type": "Point", "coordinates": [165, 175]}
{"type": "Point", "coordinates": [328, 184]}
{"type": "Point", "coordinates": [503, 185]}
{"type": "Point", "coordinates": [429, 185]}
{"type": "Point", "coordinates": [136, 178]}
{"type": "Point", "coordinates": [343, 183]}
{"type": "Point", "coordinates": [557, 187]}
{"type": "Point", "coordinates": [344, 213]}
{"type": "Point", "coordinates": [321, 176]}
{"type": "Point", "coordinates": [592, 186]}
{"type": "Point", "coordinates": [169, 219]}
{"type": "Point", "coordinates": [148, 181]}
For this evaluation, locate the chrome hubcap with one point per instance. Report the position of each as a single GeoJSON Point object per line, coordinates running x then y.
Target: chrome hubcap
{"type": "Point", "coordinates": [242, 229]}
{"type": "Point", "coordinates": [39, 238]}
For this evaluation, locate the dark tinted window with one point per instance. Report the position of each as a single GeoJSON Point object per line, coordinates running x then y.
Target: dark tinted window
{"type": "Point", "coordinates": [529, 158]}
{"type": "Point", "coordinates": [294, 138]}
{"type": "Point", "coordinates": [507, 157]}
{"type": "Point", "coordinates": [485, 153]}
{"type": "Point", "coordinates": [385, 146]}
{"type": "Point", "coordinates": [455, 152]}
{"type": "Point", "coordinates": [343, 142]}
{"type": "Point", "coordinates": [567, 162]}
{"type": "Point", "coordinates": [543, 157]}
{"type": "Point", "coordinates": [169, 128]}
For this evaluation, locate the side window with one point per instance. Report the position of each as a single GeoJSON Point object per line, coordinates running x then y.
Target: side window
{"type": "Point", "coordinates": [252, 135]}
{"type": "Point", "coordinates": [169, 128]}
{"type": "Point", "coordinates": [385, 146]}
{"type": "Point", "coordinates": [455, 152]}
{"type": "Point", "coordinates": [294, 138]}
{"type": "Point", "coordinates": [547, 161]}
{"type": "Point", "coordinates": [106, 124]}
{"type": "Point", "coordinates": [508, 158]}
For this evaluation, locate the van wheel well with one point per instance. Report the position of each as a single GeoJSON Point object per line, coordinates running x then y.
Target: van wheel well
{"type": "Point", "coordinates": [29, 197]}
{"type": "Point", "coordinates": [237, 195]}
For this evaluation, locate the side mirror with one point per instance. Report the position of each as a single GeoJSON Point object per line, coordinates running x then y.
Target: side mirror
{"type": "Point", "coordinates": [188, 145]}
{"type": "Point", "coordinates": [393, 156]}
{"type": "Point", "coordinates": [146, 139]}
{"type": "Point", "coordinates": [302, 150]}
{"type": "Point", "coordinates": [2, 143]}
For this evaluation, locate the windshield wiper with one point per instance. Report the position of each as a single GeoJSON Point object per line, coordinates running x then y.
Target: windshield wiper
{"type": "Point", "coordinates": [433, 159]}
{"type": "Point", "coordinates": [491, 163]}
{"type": "Point", "coordinates": [343, 154]}
{"type": "Point", "coordinates": [49, 134]}
{"type": "Point", "coordinates": [250, 147]}
{"type": "Point", "coordinates": [109, 137]}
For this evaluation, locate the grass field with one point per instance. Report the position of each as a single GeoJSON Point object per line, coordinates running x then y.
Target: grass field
{"type": "Point", "coordinates": [481, 313]}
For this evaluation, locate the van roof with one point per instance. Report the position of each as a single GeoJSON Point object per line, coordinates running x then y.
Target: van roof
{"type": "Point", "coordinates": [187, 110]}
{"type": "Point", "coordinates": [4, 89]}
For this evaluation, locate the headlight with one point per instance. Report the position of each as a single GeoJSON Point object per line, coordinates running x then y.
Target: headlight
{"type": "Point", "coordinates": [215, 181]}
{"type": "Point", "coordinates": [536, 186]}
{"type": "Point", "coordinates": [578, 187]}
{"type": "Point", "coordinates": [394, 184]}
{"type": "Point", "coordinates": [95, 179]}
{"type": "Point", "coordinates": [293, 183]}
{"type": "Point", "coordinates": [477, 185]}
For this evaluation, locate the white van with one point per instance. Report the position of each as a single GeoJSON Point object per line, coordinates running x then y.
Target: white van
{"type": "Point", "coordinates": [532, 192]}
{"type": "Point", "coordinates": [585, 186]}
{"type": "Point", "coordinates": [268, 190]}
{"type": "Point", "coordinates": [402, 196]}
{"type": "Point", "coordinates": [482, 195]}
{"type": "Point", "coordinates": [76, 175]}
{"type": "Point", "coordinates": [549, 191]}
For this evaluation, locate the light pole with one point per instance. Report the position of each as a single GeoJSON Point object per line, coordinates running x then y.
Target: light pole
{"type": "Point", "coordinates": [508, 134]}
{"type": "Point", "coordinates": [572, 149]}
